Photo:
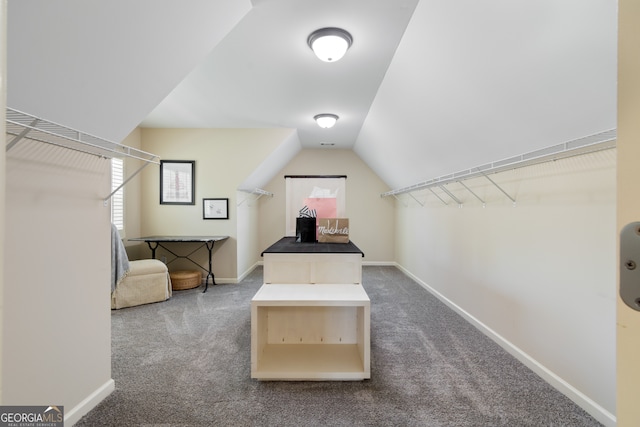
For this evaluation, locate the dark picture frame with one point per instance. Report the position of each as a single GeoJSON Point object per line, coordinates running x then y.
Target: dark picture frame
{"type": "Point", "coordinates": [215, 208]}
{"type": "Point", "coordinates": [177, 182]}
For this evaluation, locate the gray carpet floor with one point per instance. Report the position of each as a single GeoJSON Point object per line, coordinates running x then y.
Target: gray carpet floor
{"type": "Point", "coordinates": [187, 362]}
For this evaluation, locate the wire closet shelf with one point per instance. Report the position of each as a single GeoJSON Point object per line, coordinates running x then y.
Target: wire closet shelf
{"type": "Point", "coordinates": [258, 192]}
{"type": "Point", "coordinates": [589, 144]}
{"type": "Point", "coordinates": [20, 125]}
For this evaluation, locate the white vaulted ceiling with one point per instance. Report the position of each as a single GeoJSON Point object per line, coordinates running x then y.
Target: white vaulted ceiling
{"type": "Point", "coordinates": [428, 87]}
{"type": "Point", "coordinates": [475, 82]}
{"type": "Point", "coordinates": [263, 74]}
{"type": "Point", "coordinates": [101, 67]}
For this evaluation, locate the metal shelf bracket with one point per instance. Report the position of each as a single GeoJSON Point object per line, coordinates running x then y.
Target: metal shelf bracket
{"type": "Point", "coordinates": [470, 191]}
{"type": "Point", "coordinates": [450, 194]}
{"type": "Point", "coordinates": [499, 188]}
{"type": "Point", "coordinates": [257, 191]}
{"type": "Point", "coordinates": [417, 201]}
{"type": "Point", "coordinates": [436, 194]}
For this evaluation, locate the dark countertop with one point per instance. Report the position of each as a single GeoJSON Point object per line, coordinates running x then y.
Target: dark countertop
{"type": "Point", "coordinates": [288, 245]}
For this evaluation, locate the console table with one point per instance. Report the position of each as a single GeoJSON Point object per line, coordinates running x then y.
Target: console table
{"type": "Point", "coordinates": [206, 241]}
{"type": "Point", "coordinates": [310, 332]}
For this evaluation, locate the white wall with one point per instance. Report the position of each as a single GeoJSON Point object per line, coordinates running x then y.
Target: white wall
{"type": "Point", "coordinates": [371, 218]}
{"type": "Point", "coordinates": [56, 346]}
{"type": "Point", "coordinates": [538, 277]}
{"type": "Point", "coordinates": [248, 210]}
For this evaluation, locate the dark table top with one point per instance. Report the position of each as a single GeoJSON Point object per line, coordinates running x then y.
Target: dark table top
{"type": "Point", "coordinates": [288, 245]}
{"type": "Point", "coordinates": [179, 239]}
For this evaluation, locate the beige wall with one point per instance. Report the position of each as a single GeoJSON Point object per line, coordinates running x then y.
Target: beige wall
{"type": "Point", "coordinates": [224, 159]}
{"type": "Point", "coordinates": [538, 277]}
{"type": "Point", "coordinates": [371, 218]}
{"type": "Point", "coordinates": [248, 212]}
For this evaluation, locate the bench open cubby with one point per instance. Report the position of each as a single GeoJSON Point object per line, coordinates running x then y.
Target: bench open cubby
{"type": "Point", "coordinates": [310, 332]}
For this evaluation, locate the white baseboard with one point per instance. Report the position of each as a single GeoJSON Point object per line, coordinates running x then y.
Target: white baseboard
{"type": "Point", "coordinates": [222, 280]}
{"type": "Point", "coordinates": [380, 263]}
{"type": "Point", "coordinates": [248, 271]}
{"type": "Point", "coordinates": [579, 398]}
{"type": "Point", "coordinates": [73, 416]}
{"type": "Point", "coordinates": [234, 279]}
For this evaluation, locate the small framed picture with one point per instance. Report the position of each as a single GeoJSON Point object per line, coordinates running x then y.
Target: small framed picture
{"type": "Point", "coordinates": [215, 208]}
{"type": "Point", "coordinates": [177, 182]}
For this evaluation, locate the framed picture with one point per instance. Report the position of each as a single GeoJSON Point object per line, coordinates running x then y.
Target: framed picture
{"type": "Point", "coordinates": [215, 208]}
{"type": "Point", "coordinates": [177, 182]}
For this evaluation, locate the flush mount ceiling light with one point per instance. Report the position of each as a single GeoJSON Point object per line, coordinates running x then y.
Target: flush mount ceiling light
{"type": "Point", "coordinates": [329, 44]}
{"type": "Point", "coordinates": [326, 120]}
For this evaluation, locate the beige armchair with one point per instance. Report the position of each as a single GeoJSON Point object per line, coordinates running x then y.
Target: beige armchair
{"type": "Point", "coordinates": [147, 281]}
{"type": "Point", "coordinates": [136, 282]}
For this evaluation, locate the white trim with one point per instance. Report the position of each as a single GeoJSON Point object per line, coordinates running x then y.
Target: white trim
{"type": "Point", "coordinates": [117, 197]}
{"type": "Point", "coordinates": [379, 263]}
{"type": "Point", "coordinates": [220, 280]}
{"type": "Point", "coordinates": [579, 398]}
{"type": "Point", "coordinates": [223, 281]}
{"type": "Point", "coordinates": [81, 409]}
{"type": "Point", "coordinates": [247, 272]}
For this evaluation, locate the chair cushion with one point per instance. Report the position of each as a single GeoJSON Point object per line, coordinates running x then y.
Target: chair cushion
{"type": "Point", "coordinates": [146, 266]}
{"type": "Point", "coordinates": [147, 281]}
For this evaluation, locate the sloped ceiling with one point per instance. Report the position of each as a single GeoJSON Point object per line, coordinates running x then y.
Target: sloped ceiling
{"type": "Point", "coordinates": [263, 74]}
{"type": "Point", "coordinates": [429, 87]}
{"type": "Point", "coordinates": [101, 66]}
{"type": "Point", "coordinates": [474, 82]}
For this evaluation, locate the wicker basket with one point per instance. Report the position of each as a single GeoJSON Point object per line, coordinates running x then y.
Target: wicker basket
{"type": "Point", "coordinates": [185, 279]}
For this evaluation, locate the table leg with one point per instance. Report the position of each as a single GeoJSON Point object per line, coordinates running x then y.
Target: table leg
{"type": "Point", "coordinates": [153, 249]}
{"type": "Point", "coordinates": [153, 245]}
{"type": "Point", "coordinates": [209, 246]}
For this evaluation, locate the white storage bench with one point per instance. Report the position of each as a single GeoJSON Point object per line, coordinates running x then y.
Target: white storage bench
{"type": "Point", "coordinates": [287, 261]}
{"type": "Point", "coordinates": [310, 332]}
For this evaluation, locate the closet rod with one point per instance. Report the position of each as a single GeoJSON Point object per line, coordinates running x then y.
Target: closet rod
{"type": "Point", "coordinates": [588, 144]}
